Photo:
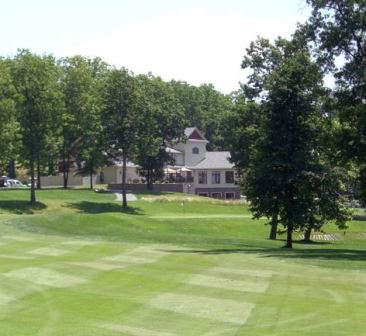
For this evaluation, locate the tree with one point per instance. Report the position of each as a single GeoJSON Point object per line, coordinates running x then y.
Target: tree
{"type": "Point", "coordinates": [120, 119]}
{"type": "Point", "coordinates": [9, 135]}
{"type": "Point", "coordinates": [36, 82]}
{"type": "Point", "coordinates": [338, 29]}
{"type": "Point", "coordinates": [82, 109]}
{"type": "Point", "coordinates": [206, 109]}
{"type": "Point", "coordinates": [286, 179]}
{"type": "Point", "coordinates": [90, 156]}
{"type": "Point", "coordinates": [244, 131]}
{"type": "Point", "coordinates": [162, 119]}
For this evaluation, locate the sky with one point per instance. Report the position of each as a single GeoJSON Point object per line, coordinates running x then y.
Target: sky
{"type": "Point", "coordinates": [197, 41]}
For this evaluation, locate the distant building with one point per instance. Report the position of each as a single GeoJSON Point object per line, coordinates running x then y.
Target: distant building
{"type": "Point", "coordinates": [195, 170]}
{"type": "Point", "coordinates": [203, 173]}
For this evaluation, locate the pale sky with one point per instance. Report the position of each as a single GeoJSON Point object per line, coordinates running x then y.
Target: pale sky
{"type": "Point", "coordinates": [198, 41]}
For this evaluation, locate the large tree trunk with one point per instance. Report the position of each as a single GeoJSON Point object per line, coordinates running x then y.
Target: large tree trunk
{"type": "Point", "coordinates": [91, 179]}
{"type": "Point", "coordinates": [51, 167]}
{"type": "Point", "coordinates": [65, 169]}
{"type": "Point", "coordinates": [38, 174]}
{"type": "Point", "coordinates": [307, 234]}
{"type": "Point", "coordinates": [149, 180]}
{"type": "Point", "coordinates": [124, 168]}
{"type": "Point", "coordinates": [11, 169]}
{"type": "Point", "coordinates": [274, 224]}
{"type": "Point", "coordinates": [33, 191]}
{"type": "Point", "coordinates": [289, 236]}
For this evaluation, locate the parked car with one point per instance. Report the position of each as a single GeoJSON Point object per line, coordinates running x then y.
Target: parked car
{"type": "Point", "coordinates": [14, 184]}
{"type": "Point", "coordinates": [3, 181]}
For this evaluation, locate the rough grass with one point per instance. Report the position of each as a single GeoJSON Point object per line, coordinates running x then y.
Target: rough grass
{"type": "Point", "coordinates": [76, 264]}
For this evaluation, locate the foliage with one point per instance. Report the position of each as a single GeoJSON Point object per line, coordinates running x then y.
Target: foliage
{"type": "Point", "coordinates": [90, 155]}
{"type": "Point", "coordinates": [206, 109]}
{"type": "Point", "coordinates": [9, 134]}
{"type": "Point", "coordinates": [80, 121]}
{"type": "Point", "coordinates": [121, 118]}
{"type": "Point", "coordinates": [338, 29]}
{"type": "Point", "coordinates": [162, 122]}
{"type": "Point", "coordinates": [286, 179]}
{"type": "Point", "coordinates": [39, 100]}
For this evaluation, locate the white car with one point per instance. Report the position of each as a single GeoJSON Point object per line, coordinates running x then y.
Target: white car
{"type": "Point", "coordinates": [14, 184]}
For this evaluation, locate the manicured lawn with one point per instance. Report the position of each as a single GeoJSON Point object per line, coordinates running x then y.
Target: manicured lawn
{"type": "Point", "coordinates": [75, 264]}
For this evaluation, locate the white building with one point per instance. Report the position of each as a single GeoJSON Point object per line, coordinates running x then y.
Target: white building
{"type": "Point", "coordinates": [195, 171]}
{"type": "Point", "coordinates": [203, 173]}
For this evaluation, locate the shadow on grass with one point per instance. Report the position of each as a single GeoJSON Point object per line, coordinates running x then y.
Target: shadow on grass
{"type": "Point", "coordinates": [97, 208]}
{"type": "Point", "coordinates": [359, 217]}
{"type": "Point", "coordinates": [307, 243]}
{"type": "Point", "coordinates": [21, 207]}
{"type": "Point", "coordinates": [313, 253]}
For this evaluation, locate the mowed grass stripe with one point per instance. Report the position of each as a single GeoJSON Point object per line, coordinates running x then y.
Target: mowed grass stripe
{"type": "Point", "coordinates": [45, 277]}
{"type": "Point", "coordinates": [221, 310]}
{"type": "Point", "coordinates": [48, 251]}
{"type": "Point", "coordinates": [229, 284]}
{"type": "Point", "coordinates": [242, 271]}
{"type": "Point", "coordinates": [133, 331]}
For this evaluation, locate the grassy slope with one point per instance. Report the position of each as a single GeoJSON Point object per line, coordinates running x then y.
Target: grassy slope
{"type": "Point", "coordinates": [199, 269]}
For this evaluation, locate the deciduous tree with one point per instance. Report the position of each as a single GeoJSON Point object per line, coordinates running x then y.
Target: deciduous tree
{"type": "Point", "coordinates": [36, 82]}
{"type": "Point", "coordinates": [121, 119]}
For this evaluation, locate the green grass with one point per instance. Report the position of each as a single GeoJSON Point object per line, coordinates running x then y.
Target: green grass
{"type": "Point", "coordinates": [75, 264]}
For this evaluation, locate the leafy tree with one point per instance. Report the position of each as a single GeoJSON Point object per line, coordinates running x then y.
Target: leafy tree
{"type": "Point", "coordinates": [206, 109]}
{"type": "Point", "coordinates": [338, 29]}
{"type": "Point", "coordinates": [90, 156]}
{"type": "Point", "coordinates": [162, 120]}
{"type": "Point", "coordinates": [36, 82]}
{"type": "Point", "coordinates": [121, 119]}
{"type": "Point", "coordinates": [9, 135]}
{"type": "Point", "coordinates": [82, 107]}
{"type": "Point", "coordinates": [286, 179]}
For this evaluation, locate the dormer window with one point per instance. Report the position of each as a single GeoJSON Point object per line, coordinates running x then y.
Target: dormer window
{"type": "Point", "coordinates": [195, 150]}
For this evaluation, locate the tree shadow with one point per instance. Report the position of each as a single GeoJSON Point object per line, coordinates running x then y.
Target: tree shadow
{"type": "Point", "coordinates": [97, 208]}
{"type": "Point", "coordinates": [311, 253]}
{"type": "Point", "coordinates": [304, 242]}
{"type": "Point", "coordinates": [21, 207]}
{"type": "Point", "coordinates": [359, 217]}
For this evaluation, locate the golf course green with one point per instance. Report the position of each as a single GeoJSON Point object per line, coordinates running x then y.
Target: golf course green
{"type": "Point", "coordinates": [170, 265]}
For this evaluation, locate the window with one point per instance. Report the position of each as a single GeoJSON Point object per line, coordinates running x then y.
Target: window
{"type": "Point", "coordinates": [202, 177]}
{"type": "Point", "coordinates": [229, 177]}
{"type": "Point", "coordinates": [229, 195]}
{"type": "Point", "coordinates": [205, 194]}
{"type": "Point", "coordinates": [216, 195]}
{"type": "Point", "coordinates": [195, 150]}
{"type": "Point", "coordinates": [216, 177]}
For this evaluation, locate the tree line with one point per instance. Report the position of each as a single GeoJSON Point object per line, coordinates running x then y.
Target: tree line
{"type": "Point", "coordinates": [58, 112]}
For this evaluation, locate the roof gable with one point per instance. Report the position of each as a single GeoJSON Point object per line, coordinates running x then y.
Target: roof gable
{"type": "Point", "coordinates": [195, 136]}
{"type": "Point", "coordinates": [192, 133]}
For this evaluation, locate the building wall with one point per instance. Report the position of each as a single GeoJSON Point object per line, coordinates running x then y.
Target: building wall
{"type": "Point", "coordinates": [209, 184]}
{"type": "Point", "coordinates": [110, 174]}
{"type": "Point", "coordinates": [131, 174]}
{"type": "Point", "coordinates": [141, 187]}
{"type": "Point", "coordinates": [113, 174]}
{"type": "Point", "coordinates": [190, 158]}
{"type": "Point", "coordinates": [222, 192]}
{"type": "Point", "coordinates": [73, 180]}
{"type": "Point", "coordinates": [178, 159]}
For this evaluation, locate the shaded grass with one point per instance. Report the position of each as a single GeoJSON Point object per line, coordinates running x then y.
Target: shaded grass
{"type": "Point", "coordinates": [97, 208]}
{"type": "Point", "coordinates": [21, 207]}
